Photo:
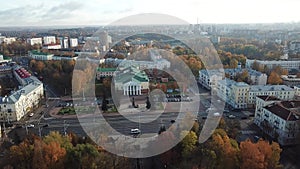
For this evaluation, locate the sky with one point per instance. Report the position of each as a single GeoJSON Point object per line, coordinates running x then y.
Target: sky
{"type": "Point", "coordinates": [103, 12]}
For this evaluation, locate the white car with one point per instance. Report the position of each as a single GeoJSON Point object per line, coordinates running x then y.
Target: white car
{"type": "Point", "coordinates": [135, 131]}
{"type": "Point", "coordinates": [231, 116]}
{"type": "Point", "coordinates": [30, 126]}
{"type": "Point", "coordinates": [31, 114]}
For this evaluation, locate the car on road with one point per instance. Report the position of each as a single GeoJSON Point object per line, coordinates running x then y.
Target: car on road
{"type": "Point", "coordinates": [135, 131]}
{"type": "Point", "coordinates": [30, 126]}
{"type": "Point", "coordinates": [217, 114]}
{"type": "Point", "coordinates": [31, 114]}
{"type": "Point", "coordinates": [231, 116]}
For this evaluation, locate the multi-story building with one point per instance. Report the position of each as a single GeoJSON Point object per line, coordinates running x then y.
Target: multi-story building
{"type": "Point", "coordinates": [281, 91]}
{"type": "Point", "coordinates": [105, 72]}
{"type": "Point", "coordinates": [233, 93]}
{"type": "Point", "coordinates": [7, 40]}
{"type": "Point", "coordinates": [256, 77]}
{"type": "Point", "coordinates": [33, 41]}
{"type": "Point", "coordinates": [40, 55]}
{"type": "Point", "coordinates": [131, 81]}
{"type": "Point", "coordinates": [24, 100]}
{"type": "Point", "coordinates": [48, 40]}
{"type": "Point", "coordinates": [285, 64]}
{"type": "Point", "coordinates": [290, 80]}
{"type": "Point", "coordinates": [73, 42]}
{"type": "Point", "coordinates": [241, 95]}
{"type": "Point", "coordinates": [209, 78]}
{"type": "Point", "coordinates": [279, 119]}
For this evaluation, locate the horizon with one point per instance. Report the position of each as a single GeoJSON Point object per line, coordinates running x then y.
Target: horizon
{"type": "Point", "coordinates": [98, 12]}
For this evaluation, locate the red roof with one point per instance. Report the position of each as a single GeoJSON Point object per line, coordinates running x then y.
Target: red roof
{"type": "Point", "coordinates": [23, 73]}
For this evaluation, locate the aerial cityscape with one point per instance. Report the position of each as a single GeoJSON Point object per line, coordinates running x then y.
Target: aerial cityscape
{"type": "Point", "coordinates": [106, 87]}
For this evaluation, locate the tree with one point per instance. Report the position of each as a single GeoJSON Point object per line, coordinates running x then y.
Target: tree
{"type": "Point", "coordinates": [233, 63]}
{"type": "Point", "coordinates": [188, 143]}
{"type": "Point", "coordinates": [274, 79]}
{"type": "Point", "coordinates": [260, 155]}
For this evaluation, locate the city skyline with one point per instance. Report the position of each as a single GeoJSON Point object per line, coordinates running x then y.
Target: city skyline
{"type": "Point", "coordinates": [99, 12]}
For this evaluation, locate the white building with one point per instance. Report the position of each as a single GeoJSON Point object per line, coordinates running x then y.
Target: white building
{"type": "Point", "coordinates": [73, 42]}
{"type": "Point", "coordinates": [24, 100]}
{"type": "Point", "coordinates": [105, 72]}
{"type": "Point", "coordinates": [241, 95]}
{"type": "Point", "coordinates": [283, 92]}
{"type": "Point", "coordinates": [52, 47]}
{"type": "Point", "coordinates": [279, 119]}
{"type": "Point", "coordinates": [33, 41]}
{"type": "Point", "coordinates": [233, 93]}
{"type": "Point", "coordinates": [49, 40]}
{"type": "Point", "coordinates": [40, 55]}
{"type": "Point", "coordinates": [131, 81]}
{"type": "Point", "coordinates": [273, 63]}
{"type": "Point", "coordinates": [257, 78]}
{"type": "Point", "coordinates": [290, 80]}
{"type": "Point", "coordinates": [209, 78]}
{"type": "Point", "coordinates": [9, 40]}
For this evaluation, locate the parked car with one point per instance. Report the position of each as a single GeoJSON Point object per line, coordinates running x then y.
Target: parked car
{"type": "Point", "coordinates": [31, 114]}
{"type": "Point", "coordinates": [135, 131]}
{"type": "Point", "coordinates": [30, 126]}
{"type": "Point", "coordinates": [231, 116]}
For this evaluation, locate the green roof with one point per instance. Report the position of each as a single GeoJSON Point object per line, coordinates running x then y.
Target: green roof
{"type": "Point", "coordinates": [99, 69]}
{"type": "Point", "coordinates": [35, 52]}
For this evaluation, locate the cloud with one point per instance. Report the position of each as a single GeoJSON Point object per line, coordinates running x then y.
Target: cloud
{"type": "Point", "coordinates": [62, 11]}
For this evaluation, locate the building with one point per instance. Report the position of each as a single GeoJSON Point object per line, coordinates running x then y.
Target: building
{"type": "Point", "coordinates": [73, 42]}
{"type": "Point", "coordinates": [241, 95]}
{"type": "Point", "coordinates": [285, 64]}
{"type": "Point", "coordinates": [233, 93]}
{"type": "Point", "coordinates": [24, 100]}
{"type": "Point", "coordinates": [279, 119]}
{"type": "Point", "coordinates": [52, 47]}
{"type": "Point", "coordinates": [209, 78]}
{"type": "Point", "coordinates": [8, 40]}
{"type": "Point", "coordinates": [105, 72]}
{"type": "Point", "coordinates": [290, 80]}
{"type": "Point", "coordinates": [131, 81]}
{"type": "Point", "coordinates": [48, 40]}
{"type": "Point", "coordinates": [40, 55]}
{"type": "Point", "coordinates": [33, 41]}
{"type": "Point", "coordinates": [283, 92]}
{"type": "Point", "coordinates": [257, 78]}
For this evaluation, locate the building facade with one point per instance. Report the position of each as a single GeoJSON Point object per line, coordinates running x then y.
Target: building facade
{"type": "Point", "coordinates": [290, 80]}
{"type": "Point", "coordinates": [33, 41]}
{"type": "Point", "coordinates": [279, 119]}
{"type": "Point", "coordinates": [131, 81]}
{"type": "Point", "coordinates": [40, 55]}
{"type": "Point", "coordinates": [281, 91]}
{"type": "Point", "coordinates": [285, 64]}
{"type": "Point", "coordinates": [105, 72]}
{"type": "Point", "coordinates": [24, 100]}
{"type": "Point", "coordinates": [209, 78]}
{"type": "Point", "coordinates": [256, 77]}
{"type": "Point", "coordinates": [48, 40]}
{"type": "Point", "coordinates": [233, 93]}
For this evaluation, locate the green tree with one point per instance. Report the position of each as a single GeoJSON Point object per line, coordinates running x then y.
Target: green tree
{"type": "Point", "coordinates": [188, 143]}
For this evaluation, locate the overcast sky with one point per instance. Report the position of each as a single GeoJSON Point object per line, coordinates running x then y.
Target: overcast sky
{"type": "Point", "coordinates": [102, 12]}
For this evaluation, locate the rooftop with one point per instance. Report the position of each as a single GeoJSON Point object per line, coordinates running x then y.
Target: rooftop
{"type": "Point", "coordinates": [285, 110]}
{"type": "Point", "coordinates": [268, 98]}
{"type": "Point", "coordinates": [35, 52]}
{"type": "Point", "coordinates": [257, 88]}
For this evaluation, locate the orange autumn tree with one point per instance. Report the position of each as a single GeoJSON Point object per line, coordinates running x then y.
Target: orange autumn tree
{"type": "Point", "coordinates": [260, 155]}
